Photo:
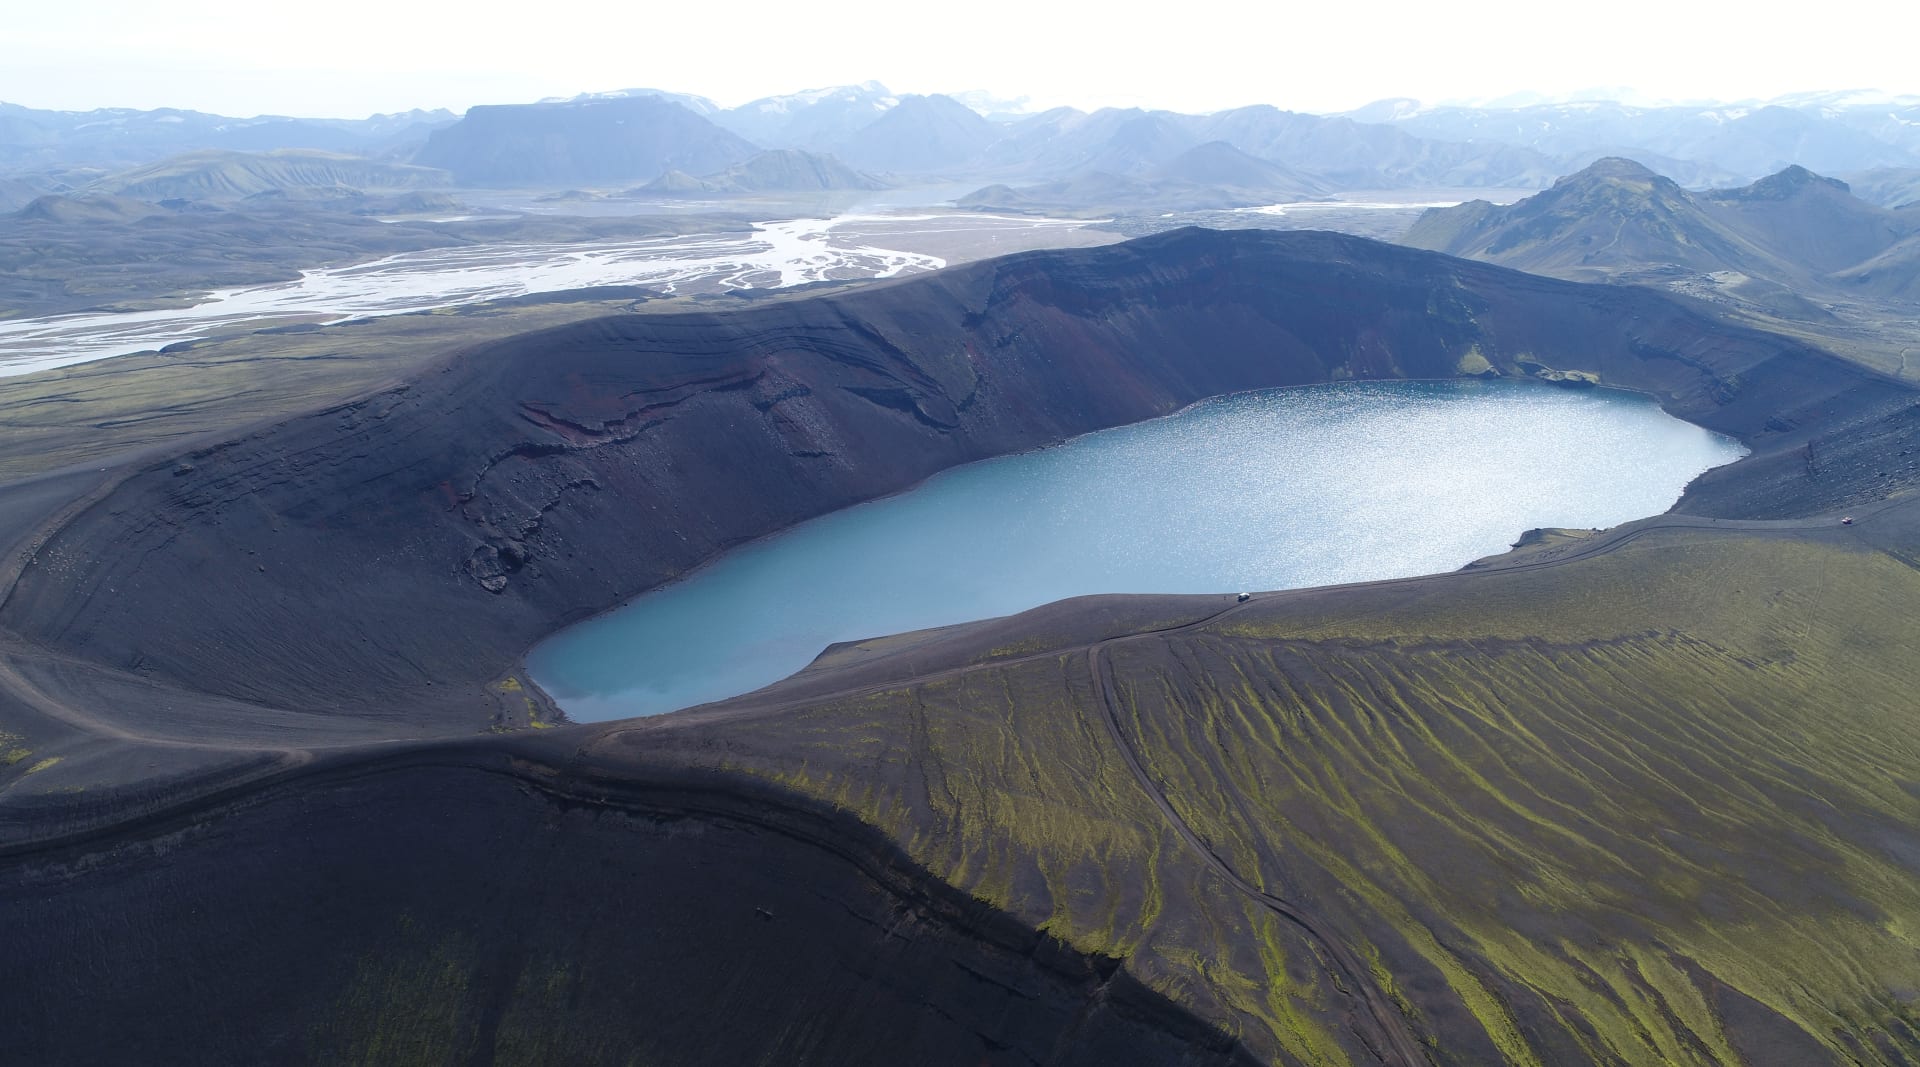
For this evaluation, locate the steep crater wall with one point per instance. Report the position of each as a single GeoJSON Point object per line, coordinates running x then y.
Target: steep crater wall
{"type": "Point", "coordinates": [476, 906]}
{"type": "Point", "coordinates": [393, 552]}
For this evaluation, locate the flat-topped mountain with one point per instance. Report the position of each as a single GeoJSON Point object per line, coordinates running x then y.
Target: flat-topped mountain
{"type": "Point", "coordinates": [630, 138]}
{"type": "Point", "coordinates": [781, 170]}
{"type": "Point", "coordinates": [217, 175]}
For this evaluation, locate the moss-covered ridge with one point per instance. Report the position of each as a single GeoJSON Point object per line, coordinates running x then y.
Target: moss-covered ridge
{"type": "Point", "coordinates": [1652, 803]}
{"type": "Point", "coordinates": [480, 903]}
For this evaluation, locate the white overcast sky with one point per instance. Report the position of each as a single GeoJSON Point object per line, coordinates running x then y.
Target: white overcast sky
{"type": "Point", "coordinates": [355, 57]}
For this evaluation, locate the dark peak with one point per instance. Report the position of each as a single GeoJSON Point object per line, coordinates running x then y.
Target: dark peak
{"type": "Point", "coordinates": [1786, 185]}
{"type": "Point", "coordinates": [1612, 178]}
{"type": "Point", "coordinates": [1612, 168]}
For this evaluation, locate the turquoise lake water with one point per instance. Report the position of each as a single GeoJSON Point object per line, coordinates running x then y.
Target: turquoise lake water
{"type": "Point", "coordinates": [1271, 490]}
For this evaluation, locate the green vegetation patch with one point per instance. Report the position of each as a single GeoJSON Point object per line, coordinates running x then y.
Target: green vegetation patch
{"type": "Point", "coordinates": [1559, 812]}
{"type": "Point", "coordinates": [1475, 364]}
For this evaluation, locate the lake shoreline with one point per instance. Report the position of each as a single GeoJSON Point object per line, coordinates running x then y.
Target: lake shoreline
{"type": "Point", "coordinates": [1074, 520]}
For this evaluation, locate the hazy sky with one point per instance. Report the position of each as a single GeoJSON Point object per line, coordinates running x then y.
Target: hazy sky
{"type": "Point", "coordinates": [354, 57]}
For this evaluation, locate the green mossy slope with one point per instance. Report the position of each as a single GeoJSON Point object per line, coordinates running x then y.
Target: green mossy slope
{"type": "Point", "coordinates": [1654, 805]}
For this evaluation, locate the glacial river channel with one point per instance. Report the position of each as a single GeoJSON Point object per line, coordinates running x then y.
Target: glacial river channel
{"type": "Point", "coordinates": [771, 255]}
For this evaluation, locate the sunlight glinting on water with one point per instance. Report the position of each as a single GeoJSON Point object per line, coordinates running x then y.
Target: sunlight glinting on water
{"type": "Point", "coordinates": [1270, 490]}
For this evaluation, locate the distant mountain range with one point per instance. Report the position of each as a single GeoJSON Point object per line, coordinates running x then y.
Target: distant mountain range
{"type": "Point", "coordinates": [938, 138]}
{"type": "Point", "coordinates": [1794, 251]}
{"type": "Point", "coordinates": [223, 175]}
{"type": "Point", "coordinates": [1206, 177]}
{"type": "Point", "coordinates": [636, 136]}
{"type": "Point", "coordinates": [1395, 144]}
{"type": "Point", "coordinates": [781, 170]}
{"type": "Point", "coordinates": [1895, 187]}
{"type": "Point", "coordinates": [814, 119]}
{"type": "Point", "coordinates": [1618, 215]}
{"type": "Point", "coordinates": [1829, 132]}
{"type": "Point", "coordinates": [920, 134]}
{"type": "Point", "coordinates": [117, 137]}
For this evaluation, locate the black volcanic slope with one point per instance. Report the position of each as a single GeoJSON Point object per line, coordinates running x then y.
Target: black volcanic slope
{"type": "Point", "coordinates": [1647, 796]}
{"type": "Point", "coordinates": [434, 909]}
{"type": "Point", "coordinates": [447, 524]}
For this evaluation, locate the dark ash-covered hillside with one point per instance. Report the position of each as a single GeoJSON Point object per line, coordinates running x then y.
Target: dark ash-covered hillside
{"type": "Point", "coordinates": [1639, 796]}
{"type": "Point", "coordinates": [443, 526]}
{"type": "Point", "coordinates": [478, 905]}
